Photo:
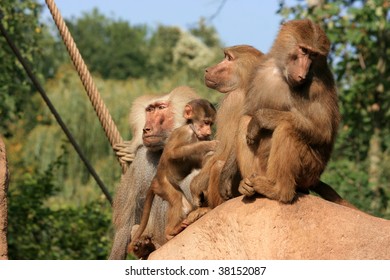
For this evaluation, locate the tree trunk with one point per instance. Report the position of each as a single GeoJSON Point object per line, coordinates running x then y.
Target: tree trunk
{"type": "Point", "coordinates": [3, 202]}
{"type": "Point", "coordinates": [374, 171]}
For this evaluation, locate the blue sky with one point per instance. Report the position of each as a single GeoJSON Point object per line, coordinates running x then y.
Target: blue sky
{"type": "Point", "coordinates": [252, 22]}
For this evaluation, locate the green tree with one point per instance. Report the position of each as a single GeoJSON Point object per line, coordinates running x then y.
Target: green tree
{"type": "Point", "coordinates": [116, 50]}
{"type": "Point", "coordinates": [207, 33]}
{"type": "Point", "coordinates": [161, 44]}
{"type": "Point", "coordinates": [179, 55]}
{"type": "Point", "coordinates": [21, 20]}
{"type": "Point", "coordinates": [112, 48]}
{"type": "Point", "coordinates": [360, 33]}
{"type": "Point", "coordinates": [37, 231]}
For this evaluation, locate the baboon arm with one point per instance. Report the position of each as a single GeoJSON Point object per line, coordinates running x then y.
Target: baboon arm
{"type": "Point", "coordinates": [228, 172]}
{"type": "Point", "coordinates": [316, 129]}
{"type": "Point", "coordinates": [191, 149]}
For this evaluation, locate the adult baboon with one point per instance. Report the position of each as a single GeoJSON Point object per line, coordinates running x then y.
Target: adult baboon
{"type": "Point", "coordinates": [232, 78]}
{"type": "Point", "coordinates": [293, 98]}
{"type": "Point", "coordinates": [185, 151]}
{"type": "Point", "coordinates": [153, 119]}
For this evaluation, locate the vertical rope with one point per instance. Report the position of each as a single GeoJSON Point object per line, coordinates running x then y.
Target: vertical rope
{"type": "Point", "coordinates": [101, 110]}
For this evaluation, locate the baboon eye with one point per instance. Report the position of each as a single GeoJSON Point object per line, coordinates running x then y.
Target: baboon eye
{"type": "Point", "coordinates": [294, 57]}
{"type": "Point", "coordinates": [228, 57]}
{"type": "Point", "coordinates": [304, 50]}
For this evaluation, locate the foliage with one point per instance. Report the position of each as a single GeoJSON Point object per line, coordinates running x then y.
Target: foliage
{"type": "Point", "coordinates": [21, 21]}
{"type": "Point", "coordinates": [116, 50]}
{"type": "Point", "coordinates": [36, 231]}
{"type": "Point", "coordinates": [112, 48]}
{"type": "Point", "coordinates": [161, 44]}
{"type": "Point", "coordinates": [360, 35]}
{"type": "Point", "coordinates": [173, 51]}
{"type": "Point", "coordinates": [191, 52]}
{"type": "Point", "coordinates": [206, 33]}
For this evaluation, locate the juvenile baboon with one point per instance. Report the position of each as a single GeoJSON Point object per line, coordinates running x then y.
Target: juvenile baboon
{"type": "Point", "coordinates": [184, 151]}
{"type": "Point", "coordinates": [149, 126]}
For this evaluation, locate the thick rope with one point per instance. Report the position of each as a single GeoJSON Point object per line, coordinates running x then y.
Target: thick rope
{"type": "Point", "coordinates": [101, 110]}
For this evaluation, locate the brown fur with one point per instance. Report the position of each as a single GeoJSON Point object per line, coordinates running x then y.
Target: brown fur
{"type": "Point", "coordinates": [183, 152]}
{"type": "Point", "coordinates": [131, 192]}
{"type": "Point", "coordinates": [231, 76]}
{"type": "Point", "coordinates": [293, 96]}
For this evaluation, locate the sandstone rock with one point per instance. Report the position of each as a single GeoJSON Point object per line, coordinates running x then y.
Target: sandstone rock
{"type": "Point", "coordinates": [3, 202]}
{"type": "Point", "coordinates": [310, 228]}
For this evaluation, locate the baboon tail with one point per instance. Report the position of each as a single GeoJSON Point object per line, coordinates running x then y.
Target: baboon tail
{"type": "Point", "coordinates": [328, 193]}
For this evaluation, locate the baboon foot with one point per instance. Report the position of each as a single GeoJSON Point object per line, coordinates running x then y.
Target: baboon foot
{"type": "Point", "coordinates": [191, 218]}
{"type": "Point", "coordinates": [143, 247]}
{"type": "Point", "coordinates": [195, 215]}
{"type": "Point", "coordinates": [179, 228]}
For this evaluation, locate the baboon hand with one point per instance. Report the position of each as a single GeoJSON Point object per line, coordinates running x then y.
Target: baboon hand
{"type": "Point", "coordinates": [246, 187]}
{"type": "Point", "coordinates": [124, 151]}
{"type": "Point", "coordinates": [212, 145]}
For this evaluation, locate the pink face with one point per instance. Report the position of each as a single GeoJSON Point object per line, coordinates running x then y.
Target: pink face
{"type": "Point", "coordinates": [159, 124]}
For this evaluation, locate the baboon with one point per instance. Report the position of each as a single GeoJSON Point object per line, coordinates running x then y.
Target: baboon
{"type": "Point", "coordinates": [293, 97]}
{"type": "Point", "coordinates": [184, 151]}
{"type": "Point", "coordinates": [149, 126]}
{"type": "Point", "coordinates": [231, 77]}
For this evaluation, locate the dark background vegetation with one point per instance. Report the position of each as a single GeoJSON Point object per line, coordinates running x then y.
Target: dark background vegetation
{"type": "Point", "coordinates": [56, 210]}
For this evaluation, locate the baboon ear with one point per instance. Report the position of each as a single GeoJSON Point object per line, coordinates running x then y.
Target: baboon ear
{"type": "Point", "coordinates": [188, 112]}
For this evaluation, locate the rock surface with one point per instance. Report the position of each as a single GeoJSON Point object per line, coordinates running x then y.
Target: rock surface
{"type": "Point", "coordinates": [3, 202]}
{"type": "Point", "coordinates": [310, 228]}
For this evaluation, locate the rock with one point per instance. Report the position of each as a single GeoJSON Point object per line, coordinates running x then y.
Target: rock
{"type": "Point", "coordinates": [310, 228]}
{"type": "Point", "coordinates": [3, 202]}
